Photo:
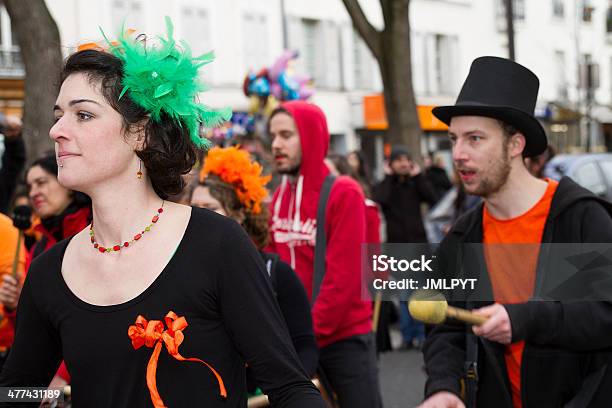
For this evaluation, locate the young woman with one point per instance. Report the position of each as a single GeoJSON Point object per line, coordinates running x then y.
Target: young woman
{"type": "Point", "coordinates": [155, 302]}
{"type": "Point", "coordinates": [232, 185]}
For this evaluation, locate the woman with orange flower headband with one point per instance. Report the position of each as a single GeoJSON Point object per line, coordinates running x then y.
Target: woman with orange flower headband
{"type": "Point", "coordinates": [153, 303]}
{"type": "Point", "coordinates": [231, 184]}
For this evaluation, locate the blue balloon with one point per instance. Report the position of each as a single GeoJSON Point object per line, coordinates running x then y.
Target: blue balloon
{"type": "Point", "coordinates": [260, 87]}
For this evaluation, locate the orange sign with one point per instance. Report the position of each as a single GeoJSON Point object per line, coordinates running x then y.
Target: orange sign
{"type": "Point", "coordinates": [375, 117]}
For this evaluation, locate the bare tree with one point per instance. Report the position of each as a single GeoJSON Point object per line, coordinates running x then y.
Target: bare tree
{"type": "Point", "coordinates": [391, 49]}
{"type": "Point", "coordinates": [39, 43]}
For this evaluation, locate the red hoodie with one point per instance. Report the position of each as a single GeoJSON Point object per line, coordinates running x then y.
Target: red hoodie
{"type": "Point", "coordinates": [338, 312]}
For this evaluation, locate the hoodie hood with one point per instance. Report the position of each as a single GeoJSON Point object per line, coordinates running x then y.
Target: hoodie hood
{"type": "Point", "coordinates": [311, 124]}
{"type": "Point", "coordinates": [294, 205]}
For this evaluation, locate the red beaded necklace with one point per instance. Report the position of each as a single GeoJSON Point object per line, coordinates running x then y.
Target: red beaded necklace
{"type": "Point", "coordinates": [116, 248]}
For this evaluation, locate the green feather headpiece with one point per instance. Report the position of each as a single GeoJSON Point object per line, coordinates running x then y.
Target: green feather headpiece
{"type": "Point", "coordinates": [164, 78]}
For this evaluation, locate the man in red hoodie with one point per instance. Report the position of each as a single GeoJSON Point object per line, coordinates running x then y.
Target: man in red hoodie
{"type": "Point", "coordinates": [342, 320]}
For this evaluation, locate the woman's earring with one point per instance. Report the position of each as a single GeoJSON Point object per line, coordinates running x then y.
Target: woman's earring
{"type": "Point", "coordinates": [139, 174]}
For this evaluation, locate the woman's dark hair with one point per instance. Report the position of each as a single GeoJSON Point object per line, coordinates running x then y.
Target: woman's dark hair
{"type": "Point", "coordinates": [342, 165]}
{"type": "Point", "coordinates": [256, 225]}
{"type": "Point", "coordinates": [363, 172]}
{"type": "Point", "coordinates": [49, 164]}
{"type": "Point", "coordinates": [168, 151]}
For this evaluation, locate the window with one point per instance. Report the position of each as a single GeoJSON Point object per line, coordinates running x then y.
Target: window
{"type": "Point", "coordinates": [558, 7]}
{"type": "Point", "coordinates": [195, 24]}
{"type": "Point", "coordinates": [587, 11]}
{"type": "Point", "coordinates": [128, 14]}
{"type": "Point", "coordinates": [588, 176]}
{"type": "Point", "coordinates": [518, 9]}
{"type": "Point", "coordinates": [255, 41]}
{"type": "Point", "coordinates": [445, 63]}
{"type": "Point", "coordinates": [310, 37]}
{"type": "Point", "coordinates": [562, 87]}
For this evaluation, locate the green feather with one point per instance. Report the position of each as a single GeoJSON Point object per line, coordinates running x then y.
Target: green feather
{"type": "Point", "coordinates": [165, 78]}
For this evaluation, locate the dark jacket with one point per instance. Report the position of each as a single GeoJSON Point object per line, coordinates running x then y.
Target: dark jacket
{"type": "Point", "coordinates": [400, 200]}
{"type": "Point", "coordinates": [439, 180]}
{"type": "Point", "coordinates": [13, 161]}
{"type": "Point", "coordinates": [567, 360]}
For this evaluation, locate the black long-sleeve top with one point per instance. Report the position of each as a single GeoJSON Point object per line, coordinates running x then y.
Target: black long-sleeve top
{"type": "Point", "coordinates": [293, 302]}
{"type": "Point", "coordinates": [216, 280]}
{"type": "Point", "coordinates": [13, 160]}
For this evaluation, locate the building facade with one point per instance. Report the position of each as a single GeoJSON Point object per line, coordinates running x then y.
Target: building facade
{"type": "Point", "coordinates": [557, 39]}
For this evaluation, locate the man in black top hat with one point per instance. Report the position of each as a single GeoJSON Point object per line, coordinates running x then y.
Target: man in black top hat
{"type": "Point", "coordinates": [529, 353]}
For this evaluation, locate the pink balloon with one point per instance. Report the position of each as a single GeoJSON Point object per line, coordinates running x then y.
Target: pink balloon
{"type": "Point", "coordinates": [275, 89]}
{"type": "Point", "coordinates": [281, 64]}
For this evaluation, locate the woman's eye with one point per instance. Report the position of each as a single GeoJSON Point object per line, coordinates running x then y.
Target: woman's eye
{"type": "Point", "coordinates": [476, 138]}
{"type": "Point", "coordinates": [84, 116]}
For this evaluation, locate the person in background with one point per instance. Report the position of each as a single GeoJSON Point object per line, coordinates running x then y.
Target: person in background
{"type": "Point", "coordinates": [341, 316]}
{"type": "Point", "coordinates": [339, 166]}
{"type": "Point", "coordinates": [436, 174]}
{"type": "Point", "coordinates": [11, 285]}
{"type": "Point", "coordinates": [62, 213]}
{"type": "Point", "coordinates": [232, 185]}
{"type": "Point", "coordinates": [13, 159]}
{"type": "Point", "coordinates": [360, 171]}
{"type": "Point", "coordinates": [536, 164]}
{"type": "Point", "coordinates": [400, 195]}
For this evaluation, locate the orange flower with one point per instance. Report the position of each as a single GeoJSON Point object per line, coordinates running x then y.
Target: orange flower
{"type": "Point", "coordinates": [234, 166]}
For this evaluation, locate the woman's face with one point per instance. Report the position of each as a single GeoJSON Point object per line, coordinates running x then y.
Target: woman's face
{"type": "Point", "coordinates": [47, 196]}
{"type": "Point", "coordinates": [353, 161]}
{"type": "Point", "coordinates": [202, 198]}
{"type": "Point", "coordinates": [90, 143]}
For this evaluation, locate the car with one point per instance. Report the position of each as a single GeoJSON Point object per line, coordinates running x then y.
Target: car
{"type": "Point", "coordinates": [593, 171]}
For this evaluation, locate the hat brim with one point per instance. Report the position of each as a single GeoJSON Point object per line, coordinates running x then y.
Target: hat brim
{"type": "Point", "coordinates": [535, 136]}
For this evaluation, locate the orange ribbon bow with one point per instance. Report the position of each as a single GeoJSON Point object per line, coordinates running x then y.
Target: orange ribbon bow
{"type": "Point", "coordinates": [152, 334]}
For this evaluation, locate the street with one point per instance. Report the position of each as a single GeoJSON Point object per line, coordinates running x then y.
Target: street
{"type": "Point", "coordinates": [401, 376]}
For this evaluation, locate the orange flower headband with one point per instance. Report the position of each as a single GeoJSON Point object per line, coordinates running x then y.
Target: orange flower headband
{"type": "Point", "coordinates": [234, 166]}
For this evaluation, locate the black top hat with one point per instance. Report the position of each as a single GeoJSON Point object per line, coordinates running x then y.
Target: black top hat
{"type": "Point", "coordinates": [501, 89]}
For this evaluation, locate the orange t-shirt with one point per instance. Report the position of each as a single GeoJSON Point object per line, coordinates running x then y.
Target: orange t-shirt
{"type": "Point", "coordinates": [512, 268]}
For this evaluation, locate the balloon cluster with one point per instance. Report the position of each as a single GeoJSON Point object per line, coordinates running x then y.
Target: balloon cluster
{"type": "Point", "coordinates": [277, 82]}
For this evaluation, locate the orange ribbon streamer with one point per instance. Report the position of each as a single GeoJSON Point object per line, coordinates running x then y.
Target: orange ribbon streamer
{"type": "Point", "coordinates": [152, 334]}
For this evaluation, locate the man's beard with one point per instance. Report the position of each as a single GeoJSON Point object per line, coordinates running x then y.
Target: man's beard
{"type": "Point", "coordinates": [496, 177]}
{"type": "Point", "coordinates": [292, 171]}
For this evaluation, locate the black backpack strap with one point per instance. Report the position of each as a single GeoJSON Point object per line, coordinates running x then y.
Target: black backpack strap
{"type": "Point", "coordinates": [471, 369]}
{"type": "Point", "coordinates": [321, 241]}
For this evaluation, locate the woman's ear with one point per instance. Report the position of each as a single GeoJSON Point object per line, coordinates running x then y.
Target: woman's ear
{"type": "Point", "coordinates": [136, 135]}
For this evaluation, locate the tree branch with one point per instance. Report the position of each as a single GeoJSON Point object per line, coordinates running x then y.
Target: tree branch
{"type": "Point", "coordinates": [370, 35]}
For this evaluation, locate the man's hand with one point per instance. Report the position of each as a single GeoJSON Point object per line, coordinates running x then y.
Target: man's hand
{"type": "Point", "coordinates": [442, 399]}
{"type": "Point", "coordinates": [497, 327]}
{"type": "Point", "coordinates": [10, 290]}
{"type": "Point", "coordinates": [12, 126]}
{"type": "Point", "coordinates": [415, 169]}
